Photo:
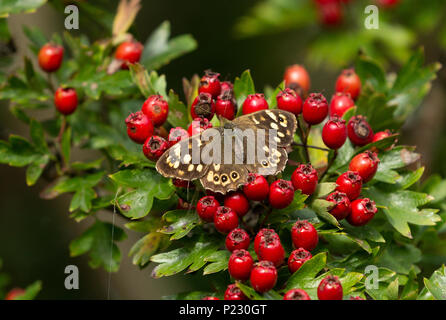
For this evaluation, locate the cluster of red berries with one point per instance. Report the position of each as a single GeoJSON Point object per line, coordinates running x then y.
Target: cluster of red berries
{"type": "Point", "coordinates": [50, 59]}
{"type": "Point", "coordinates": [331, 12]}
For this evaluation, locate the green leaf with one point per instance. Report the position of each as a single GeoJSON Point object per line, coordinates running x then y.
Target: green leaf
{"type": "Point", "coordinates": [370, 71]}
{"type": "Point", "coordinates": [397, 158]}
{"type": "Point", "coordinates": [307, 272]}
{"type": "Point", "coordinates": [181, 222]}
{"type": "Point", "coordinates": [324, 189]}
{"type": "Point", "coordinates": [35, 169]}
{"type": "Point", "coordinates": [243, 87]}
{"type": "Point", "coordinates": [321, 208]}
{"type": "Point", "coordinates": [18, 6]}
{"type": "Point", "coordinates": [148, 84]}
{"type": "Point", "coordinates": [401, 208]}
{"type": "Point", "coordinates": [18, 152]}
{"type": "Point", "coordinates": [38, 136]}
{"type": "Point", "coordinates": [99, 240]}
{"type": "Point", "coordinates": [192, 256]}
{"type": "Point", "coordinates": [147, 184]}
{"type": "Point", "coordinates": [177, 116]}
{"type": "Point", "coordinates": [31, 291]}
{"type": "Point", "coordinates": [218, 262]}
{"type": "Point", "coordinates": [145, 248]}
{"type": "Point", "coordinates": [160, 50]}
{"type": "Point", "coordinates": [253, 295]}
{"type": "Point", "coordinates": [436, 284]}
{"type": "Point", "coordinates": [400, 258]}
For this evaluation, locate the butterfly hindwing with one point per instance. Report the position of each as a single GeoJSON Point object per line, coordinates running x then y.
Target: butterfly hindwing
{"type": "Point", "coordinates": [223, 178]}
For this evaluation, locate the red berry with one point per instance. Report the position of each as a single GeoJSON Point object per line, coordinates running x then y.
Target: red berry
{"type": "Point", "coordinates": [154, 147]}
{"type": "Point", "coordinates": [341, 207]}
{"type": "Point", "coordinates": [359, 131]}
{"type": "Point", "coordinates": [289, 100]}
{"type": "Point", "coordinates": [65, 100]}
{"type": "Point", "coordinates": [366, 164]}
{"type": "Point", "coordinates": [14, 293]}
{"type": "Point", "coordinates": [304, 178]}
{"type": "Point", "coordinates": [237, 202]}
{"type": "Point", "coordinates": [226, 86]}
{"type": "Point", "coordinates": [260, 236]}
{"type": "Point", "coordinates": [203, 106]}
{"type": "Point", "coordinates": [225, 219]}
{"type": "Point", "coordinates": [198, 126]}
{"type": "Point", "coordinates": [139, 127]}
{"type": "Point", "coordinates": [207, 207]}
{"type": "Point", "coordinates": [129, 52]}
{"type": "Point", "coordinates": [210, 298]}
{"type": "Point", "coordinates": [281, 194]}
{"type": "Point", "coordinates": [298, 75]}
{"type": "Point", "coordinates": [380, 135]}
{"type": "Point", "coordinates": [330, 13]}
{"type": "Point", "coordinates": [263, 276]}
{"type": "Point", "coordinates": [363, 210]}
{"type": "Point", "coordinates": [176, 135]}
{"type": "Point", "coordinates": [296, 294]}
{"type": "Point", "coordinates": [340, 103]}
{"type": "Point", "coordinates": [330, 288]}
{"type": "Point", "coordinates": [50, 57]}
{"type": "Point", "coordinates": [237, 239]}
{"type": "Point", "coordinates": [315, 108]}
{"type": "Point", "coordinates": [297, 259]}
{"type": "Point", "coordinates": [254, 102]}
{"type": "Point", "coordinates": [240, 264]}
{"type": "Point", "coordinates": [156, 108]}
{"type": "Point", "coordinates": [350, 183]}
{"type": "Point", "coordinates": [210, 84]}
{"type": "Point", "coordinates": [349, 82]}
{"type": "Point", "coordinates": [304, 235]}
{"type": "Point", "coordinates": [225, 105]}
{"type": "Point", "coordinates": [270, 249]}
{"type": "Point", "coordinates": [257, 188]}
{"type": "Point", "coordinates": [334, 133]}
{"type": "Point", "coordinates": [234, 293]}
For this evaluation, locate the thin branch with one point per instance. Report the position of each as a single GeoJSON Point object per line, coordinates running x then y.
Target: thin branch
{"type": "Point", "coordinates": [332, 160]}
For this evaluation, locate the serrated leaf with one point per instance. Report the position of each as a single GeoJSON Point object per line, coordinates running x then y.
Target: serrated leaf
{"type": "Point", "coordinates": [321, 208]}
{"type": "Point", "coordinates": [191, 256]}
{"type": "Point", "coordinates": [160, 50]}
{"type": "Point", "coordinates": [99, 240]}
{"type": "Point", "coordinates": [177, 111]}
{"type": "Point", "coordinates": [145, 248]}
{"type": "Point", "coordinates": [307, 272]}
{"type": "Point", "coordinates": [181, 222]}
{"type": "Point", "coordinates": [218, 261]}
{"type": "Point", "coordinates": [253, 295]}
{"type": "Point", "coordinates": [436, 284]}
{"type": "Point", "coordinates": [243, 87]}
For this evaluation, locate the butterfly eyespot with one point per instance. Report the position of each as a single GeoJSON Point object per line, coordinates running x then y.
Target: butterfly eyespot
{"type": "Point", "coordinates": [216, 178]}
{"type": "Point", "coordinates": [234, 175]}
{"type": "Point", "coordinates": [224, 178]}
{"type": "Point", "coordinates": [264, 163]}
{"type": "Point", "coordinates": [281, 119]}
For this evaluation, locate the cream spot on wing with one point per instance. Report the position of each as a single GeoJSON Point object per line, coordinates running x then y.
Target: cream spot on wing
{"type": "Point", "coordinates": [187, 158]}
{"type": "Point", "coordinates": [277, 139]}
{"type": "Point", "coordinates": [216, 167]}
{"type": "Point", "coordinates": [262, 118]}
{"type": "Point", "coordinates": [265, 148]}
{"type": "Point", "coordinates": [284, 123]}
{"type": "Point", "coordinates": [274, 126]}
{"type": "Point", "coordinates": [180, 172]}
{"type": "Point", "coordinates": [191, 167]}
{"type": "Point", "coordinates": [255, 120]}
{"type": "Point", "coordinates": [199, 167]}
{"type": "Point", "coordinates": [210, 176]}
{"type": "Point", "coordinates": [280, 134]}
{"type": "Point", "coordinates": [176, 164]}
{"type": "Point", "coordinates": [272, 115]}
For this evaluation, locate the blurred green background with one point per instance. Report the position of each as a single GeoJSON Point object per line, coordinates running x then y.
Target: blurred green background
{"type": "Point", "coordinates": [35, 233]}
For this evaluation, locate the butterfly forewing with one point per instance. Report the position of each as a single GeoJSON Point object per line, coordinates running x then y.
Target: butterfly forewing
{"type": "Point", "coordinates": [223, 157]}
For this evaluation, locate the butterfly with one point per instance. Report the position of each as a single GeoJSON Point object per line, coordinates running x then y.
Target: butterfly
{"type": "Point", "coordinates": [223, 157]}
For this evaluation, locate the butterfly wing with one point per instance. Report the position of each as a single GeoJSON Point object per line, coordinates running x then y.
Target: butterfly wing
{"type": "Point", "coordinates": [282, 121]}
{"type": "Point", "coordinates": [223, 178]}
{"type": "Point", "coordinates": [178, 160]}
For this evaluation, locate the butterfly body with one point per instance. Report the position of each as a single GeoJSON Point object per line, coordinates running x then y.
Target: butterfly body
{"type": "Point", "coordinates": [223, 157]}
